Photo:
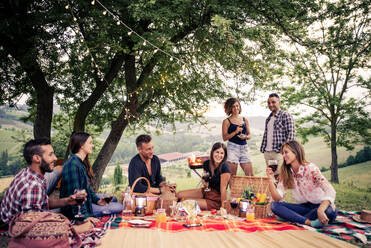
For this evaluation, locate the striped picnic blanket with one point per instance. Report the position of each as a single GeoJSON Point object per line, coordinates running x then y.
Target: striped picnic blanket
{"type": "Point", "coordinates": [208, 225]}
{"type": "Point", "coordinates": [345, 228]}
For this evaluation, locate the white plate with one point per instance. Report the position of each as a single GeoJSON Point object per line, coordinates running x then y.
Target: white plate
{"type": "Point", "coordinates": [139, 222]}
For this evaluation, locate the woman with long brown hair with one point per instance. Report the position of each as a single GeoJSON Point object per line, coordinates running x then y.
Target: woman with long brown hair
{"type": "Point", "coordinates": [219, 174]}
{"type": "Point", "coordinates": [314, 195]}
{"type": "Point", "coordinates": [77, 174]}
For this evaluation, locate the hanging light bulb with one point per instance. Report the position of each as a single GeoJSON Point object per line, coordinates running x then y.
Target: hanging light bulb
{"type": "Point", "coordinates": [171, 59]}
{"type": "Point", "coordinates": [130, 32]}
{"type": "Point", "coordinates": [75, 19]}
{"type": "Point", "coordinates": [105, 12]}
{"type": "Point", "coordinates": [144, 43]}
{"type": "Point", "coordinates": [118, 22]}
{"type": "Point", "coordinates": [82, 40]}
{"type": "Point", "coordinates": [92, 2]}
{"type": "Point", "coordinates": [67, 6]}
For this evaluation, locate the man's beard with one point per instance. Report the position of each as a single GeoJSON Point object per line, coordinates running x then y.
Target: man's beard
{"type": "Point", "coordinates": [45, 167]}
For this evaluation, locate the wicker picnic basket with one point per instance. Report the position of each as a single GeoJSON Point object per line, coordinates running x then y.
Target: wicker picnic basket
{"type": "Point", "coordinates": [151, 198]}
{"type": "Point", "coordinates": [260, 184]}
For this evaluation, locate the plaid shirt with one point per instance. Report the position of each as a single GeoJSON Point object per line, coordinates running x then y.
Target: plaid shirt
{"type": "Point", "coordinates": [27, 192]}
{"type": "Point", "coordinates": [283, 130]}
{"type": "Point", "coordinates": [74, 176]}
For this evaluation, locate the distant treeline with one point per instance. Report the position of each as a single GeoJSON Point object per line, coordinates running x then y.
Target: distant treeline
{"type": "Point", "coordinates": [9, 166]}
{"type": "Point", "coordinates": [361, 156]}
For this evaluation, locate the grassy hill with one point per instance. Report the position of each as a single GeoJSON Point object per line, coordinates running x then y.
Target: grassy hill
{"type": "Point", "coordinates": [354, 190]}
{"type": "Point", "coordinates": [358, 175]}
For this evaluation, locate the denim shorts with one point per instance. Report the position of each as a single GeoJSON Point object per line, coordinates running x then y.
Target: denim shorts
{"type": "Point", "coordinates": [237, 153]}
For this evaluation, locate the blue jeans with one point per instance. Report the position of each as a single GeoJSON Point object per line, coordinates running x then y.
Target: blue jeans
{"type": "Point", "coordinates": [114, 207]}
{"type": "Point", "coordinates": [300, 212]}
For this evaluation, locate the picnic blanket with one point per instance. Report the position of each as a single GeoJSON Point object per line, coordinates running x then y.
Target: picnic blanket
{"type": "Point", "coordinates": [345, 228]}
{"type": "Point", "coordinates": [208, 225]}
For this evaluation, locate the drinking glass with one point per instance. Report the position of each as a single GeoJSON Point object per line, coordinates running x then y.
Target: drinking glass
{"type": "Point", "coordinates": [107, 196]}
{"type": "Point", "coordinates": [206, 178]}
{"type": "Point", "coordinates": [234, 205]}
{"type": "Point", "coordinates": [273, 164]}
{"type": "Point", "coordinates": [172, 185]}
{"type": "Point", "coordinates": [80, 197]}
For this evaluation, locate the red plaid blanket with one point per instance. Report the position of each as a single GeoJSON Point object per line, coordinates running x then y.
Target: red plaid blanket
{"type": "Point", "coordinates": [208, 225]}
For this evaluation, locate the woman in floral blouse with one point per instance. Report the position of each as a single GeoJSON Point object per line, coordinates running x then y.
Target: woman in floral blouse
{"type": "Point", "coordinates": [314, 195]}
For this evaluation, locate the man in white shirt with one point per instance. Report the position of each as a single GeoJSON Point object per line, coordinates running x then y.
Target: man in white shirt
{"type": "Point", "coordinates": [279, 128]}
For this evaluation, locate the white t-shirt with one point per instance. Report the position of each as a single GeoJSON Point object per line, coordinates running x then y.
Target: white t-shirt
{"type": "Point", "coordinates": [270, 128]}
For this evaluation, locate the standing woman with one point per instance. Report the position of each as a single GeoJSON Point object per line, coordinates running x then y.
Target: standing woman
{"type": "Point", "coordinates": [236, 130]}
{"type": "Point", "coordinates": [220, 173]}
{"type": "Point", "coordinates": [314, 195]}
{"type": "Point", "coordinates": [77, 174]}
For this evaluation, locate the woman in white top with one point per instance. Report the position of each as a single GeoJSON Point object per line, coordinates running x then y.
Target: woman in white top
{"type": "Point", "coordinates": [314, 195]}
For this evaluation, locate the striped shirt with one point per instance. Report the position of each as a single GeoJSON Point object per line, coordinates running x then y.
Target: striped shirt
{"type": "Point", "coordinates": [283, 130]}
{"type": "Point", "coordinates": [27, 192]}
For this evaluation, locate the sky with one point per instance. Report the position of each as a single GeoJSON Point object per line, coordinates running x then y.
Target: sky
{"type": "Point", "coordinates": [250, 109]}
{"type": "Point", "coordinates": [259, 107]}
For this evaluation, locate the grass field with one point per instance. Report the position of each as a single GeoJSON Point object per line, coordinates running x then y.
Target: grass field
{"type": "Point", "coordinates": [4, 183]}
{"type": "Point", "coordinates": [358, 175]}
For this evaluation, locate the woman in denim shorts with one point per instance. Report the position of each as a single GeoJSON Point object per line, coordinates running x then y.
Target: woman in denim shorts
{"type": "Point", "coordinates": [236, 130]}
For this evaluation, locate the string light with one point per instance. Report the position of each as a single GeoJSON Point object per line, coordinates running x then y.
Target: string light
{"type": "Point", "coordinates": [131, 31]}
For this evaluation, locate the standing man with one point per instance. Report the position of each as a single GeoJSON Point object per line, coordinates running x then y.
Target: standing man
{"type": "Point", "coordinates": [28, 190]}
{"type": "Point", "coordinates": [147, 165]}
{"type": "Point", "coordinates": [279, 128]}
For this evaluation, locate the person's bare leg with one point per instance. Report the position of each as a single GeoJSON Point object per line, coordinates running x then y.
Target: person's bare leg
{"type": "Point", "coordinates": [190, 194]}
{"type": "Point", "coordinates": [202, 203]}
{"type": "Point", "coordinates": [247, 168]}
{"type": "Point", "coordinates": [233, 167]}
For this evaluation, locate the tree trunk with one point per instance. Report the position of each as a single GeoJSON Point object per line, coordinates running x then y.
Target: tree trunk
{"type": "Point", "coordinates": [44, 112]}
{"type": "Point", "coordinates": [86, 106]}
{"type": "Point", "coordinates": [108, 148]}
{"type": "Point", "coordinates": [119, 125]}
{"type": "Point", "coordinates": [334, 156]}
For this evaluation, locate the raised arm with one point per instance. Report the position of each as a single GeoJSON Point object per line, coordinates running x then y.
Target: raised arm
{"type": "Point", "coordinates": [226, 136]}
{"type": "Point", "coordinates": [277, 193]}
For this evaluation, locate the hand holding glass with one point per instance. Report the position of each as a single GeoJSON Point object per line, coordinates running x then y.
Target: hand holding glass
{"type": "Point", "coordinates": [79, 198]}
{"type": "Point", "coordinates": [107, 197]}
{"type": "Point", "coordinates": [206, 178]}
